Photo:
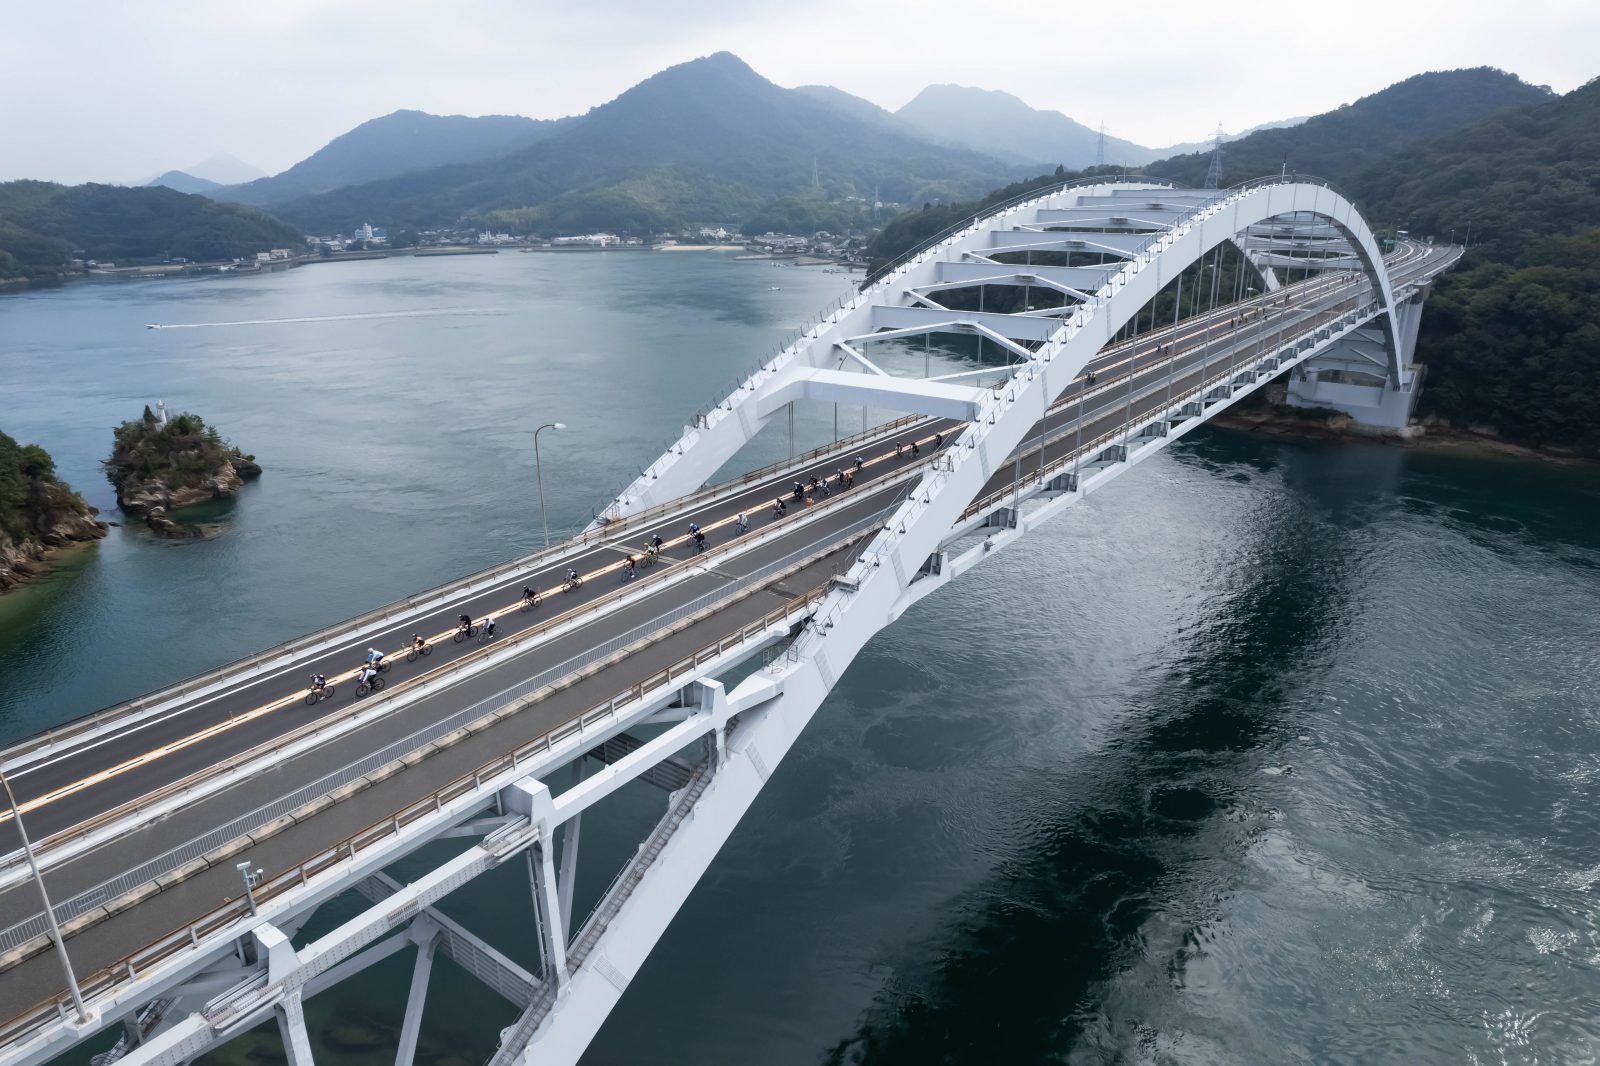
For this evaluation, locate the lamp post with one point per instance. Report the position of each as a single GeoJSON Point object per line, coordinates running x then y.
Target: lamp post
{"type": "Point", "coordinates": [49, 912]}
{"type": "Point", "coordinates": [539, 473]}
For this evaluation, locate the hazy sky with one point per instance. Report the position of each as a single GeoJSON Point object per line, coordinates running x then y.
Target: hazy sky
{"type": "Point", "coordinates": [111, 91]}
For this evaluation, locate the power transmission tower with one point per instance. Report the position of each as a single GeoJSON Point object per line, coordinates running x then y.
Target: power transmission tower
{"type": "Point", "coordinates": [1214, 174]}
{"type": "Point", "coordinates": [1100, 148]}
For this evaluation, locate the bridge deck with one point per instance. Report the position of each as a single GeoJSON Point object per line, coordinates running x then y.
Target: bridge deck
{"type": "Point", "coordinates": [1106, 408]}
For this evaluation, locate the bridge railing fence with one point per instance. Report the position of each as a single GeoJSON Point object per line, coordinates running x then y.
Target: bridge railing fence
{"type": "Point", "coordinates": [49, 738]}
{"type": "Point", "coordinates": [237, 908]}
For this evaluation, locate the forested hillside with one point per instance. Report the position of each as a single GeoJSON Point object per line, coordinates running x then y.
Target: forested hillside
{"type": "Point", "coordinates": [1340, 144]}
{"type": "Point", "coordinates": [1512, 336]}
{"type": "Point", "coordinates": [41, 224]}
{"type": "Point", "coordinates": [705, 141]}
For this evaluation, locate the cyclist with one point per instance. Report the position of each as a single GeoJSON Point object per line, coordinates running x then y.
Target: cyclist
{"type": "Point", "coordinates": [573, 580]}
{"type": "Point", "coordinates": [466, 622]}
{"type": "Point", "coordinates": [656, 542]}
{"type": "Point", "coordinates": [799, 492]}
{"type": "Point", "coordinates": [778, 508]}
{"type": "Point", "coordinates": [860, 462]}
{"type": "Point", "coordinates": [374, 657]}
{"type": "Point", "coordinates": [368, 672]}
{"type": "Point", "coordinates": [914, 449]}
{"type": "Point", "coordinates": [528, 594]}
{"type": "Point", "coordinates": [629, 568]}
{"type": "Point", "coordinates": [318, 682]}
{"type": "Point", "coordinates": [899, 448]}
{"type": "Point", "coordinates": [938, 441]}
{"type": "Point", "coordinates": [744, 522]}
{"type": "Point", "coordinates": [417, 643]}
{"type": "Point", "coordinates": [488, 626]}
{"type": "Point", "coordinates": [699, 541]}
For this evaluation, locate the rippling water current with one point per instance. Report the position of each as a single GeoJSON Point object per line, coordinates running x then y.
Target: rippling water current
{"type": "Point", "coordinates": [1269, 753]}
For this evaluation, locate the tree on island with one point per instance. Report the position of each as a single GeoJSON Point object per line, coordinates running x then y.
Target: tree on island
{"type": "Point", "coordinates": [158, 464]}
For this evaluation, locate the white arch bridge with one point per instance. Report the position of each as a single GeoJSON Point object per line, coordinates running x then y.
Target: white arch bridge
{"type": "Point", "coordinates": [1125, 314]}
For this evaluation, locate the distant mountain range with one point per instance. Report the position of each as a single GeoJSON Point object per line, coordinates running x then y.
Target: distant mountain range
{"type": "Point", "coordinates": [395, 144]}
{"type": "Point", "coordinates": [212, 172]}
{"type": "Point", "coordinates": [706, 141]}
{"type": "Point", "coordinates": [183, 181]}
{"type": "Point", "coordinates": [1002, 125]}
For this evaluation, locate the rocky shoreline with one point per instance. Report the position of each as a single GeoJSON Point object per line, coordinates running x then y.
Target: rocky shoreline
{"type": "Point", "coordinates": [21, 561]}
{"type": "Point", "coordinates": [1430, 435]}
{"type": "Point", "coordinates": [153, 500]}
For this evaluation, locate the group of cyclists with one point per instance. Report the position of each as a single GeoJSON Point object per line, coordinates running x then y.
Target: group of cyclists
{"type": "Point", "coordinates": [369, 677]}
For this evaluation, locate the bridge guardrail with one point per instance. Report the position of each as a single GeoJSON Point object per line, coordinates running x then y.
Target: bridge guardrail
{"type": "Point", "coordinates": [65, 731]}
{"type": "Point", "coordinates": [192, 850]}
{"type": "Point", "coordinates": [1318, 324]}
{"type": "Point", "coordinates": [89, 826]}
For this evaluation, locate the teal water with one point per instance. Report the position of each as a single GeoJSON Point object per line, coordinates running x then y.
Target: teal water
{"type": "Point", "coordinates": [1269, 753]}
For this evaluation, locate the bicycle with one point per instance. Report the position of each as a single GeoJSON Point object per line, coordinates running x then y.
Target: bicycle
{"type": "Point", "coordinates": [572, 584]}
{"type": "Point", "coordinates": [418, 650]}
{"type": "Point", "coordinates": [463, 632]}
{"type": "Point", "coordinates": [484, 636]}
{"type": "Point", "coordinates": [374, 685]}
{"type": "Point", "coordinates": [529, 602]}
{"type": "Point", "coordinates": [317, 695]}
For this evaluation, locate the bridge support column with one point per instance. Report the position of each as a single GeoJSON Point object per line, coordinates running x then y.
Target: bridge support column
{"type": "Point", "coordinates": [292, 1025]}
{"type": "Point", "coordinates": [570, 834]}
{"type": "Point", "coordinates": [1352, 377]}
{"type": "Point", "coordinates": [416, 1000]}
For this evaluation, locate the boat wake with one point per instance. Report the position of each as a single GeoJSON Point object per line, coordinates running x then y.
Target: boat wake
{"type": "Point", "coordinates": [426, 313]}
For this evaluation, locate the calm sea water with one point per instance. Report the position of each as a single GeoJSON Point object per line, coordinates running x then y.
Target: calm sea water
{"type": "Point", "coordinates": [1270, 753]}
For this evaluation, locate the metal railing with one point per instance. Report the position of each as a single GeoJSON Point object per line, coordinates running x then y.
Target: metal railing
{"type": "Point", "coordinates": [235, 909]}
{"type": "Point", "coordinates": [76, 727]}
{"type": "Point", "coordinates": [70, 908]}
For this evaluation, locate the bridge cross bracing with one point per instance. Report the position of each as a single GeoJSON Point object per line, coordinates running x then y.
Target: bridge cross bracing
{"type": "Point", "coordinates": [1003, 448]}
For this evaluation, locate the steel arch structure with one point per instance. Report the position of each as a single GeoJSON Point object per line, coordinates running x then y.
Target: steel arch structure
{"type": "Point", "coordinates": [910, 556]}
{"type": "Point", "coordinates": [1113, 246]}
{"type": "Point", "coordinates": [1172, 230]}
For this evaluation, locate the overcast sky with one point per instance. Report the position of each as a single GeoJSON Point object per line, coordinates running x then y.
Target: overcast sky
{"type": "Point", "coordinates": [109, 91]}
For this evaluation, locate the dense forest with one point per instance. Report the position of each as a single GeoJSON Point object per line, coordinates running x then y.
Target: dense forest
{"type": "Point", "coordinates": [37, 511]}
{"type": "Point", "coordinates": [1340, 144]}
{"type": "Point", "coordinates": [43, 225]}
{"type": "Point", "coordinates": [1512, 336]}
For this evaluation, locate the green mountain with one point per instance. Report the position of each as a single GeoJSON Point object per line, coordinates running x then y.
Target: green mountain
{"type": "Point", "coordinates": [1340, 144]}
{"type": "Point", "coordinates": [42, 224]}
{"type": "Point", "coordinates": [1512, 335]}
{"type": "Point", "coordinates": [705, 141]}
{"type": "Point", "coordinates": [179, 181]}
{"type": "Point", "coordinates": [1002, 125]}
{"type": "Point", "coordinates": [397, 143]}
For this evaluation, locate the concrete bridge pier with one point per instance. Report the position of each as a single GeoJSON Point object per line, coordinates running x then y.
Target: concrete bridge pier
{"type": "Point", "coordinates": [1354, 375]}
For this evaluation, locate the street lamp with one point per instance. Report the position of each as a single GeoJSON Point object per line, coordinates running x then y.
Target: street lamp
{"type": "Point", "coordinates": [539, 472]}
{"type": "Point", "coordinates": [49, 912]}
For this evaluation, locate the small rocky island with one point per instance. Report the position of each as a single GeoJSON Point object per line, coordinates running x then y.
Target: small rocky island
{"type": "Point", "coordinates": [160, 464]}
{"type": "Point", "coordinates": [38, 513]}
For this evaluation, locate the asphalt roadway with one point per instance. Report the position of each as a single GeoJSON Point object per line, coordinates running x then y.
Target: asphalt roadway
{"type": "Point", "coordinates": [63, 791]}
